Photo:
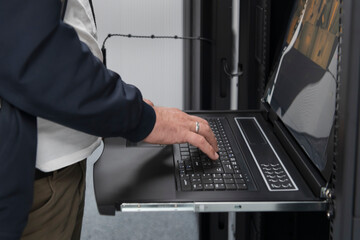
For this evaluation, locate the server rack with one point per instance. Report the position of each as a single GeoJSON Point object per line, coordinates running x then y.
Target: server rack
{"type": "Point", "coordinates": [262, 25]}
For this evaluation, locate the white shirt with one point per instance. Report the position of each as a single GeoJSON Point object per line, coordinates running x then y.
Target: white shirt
{"type": "Point", "coordinates": [59, 146]}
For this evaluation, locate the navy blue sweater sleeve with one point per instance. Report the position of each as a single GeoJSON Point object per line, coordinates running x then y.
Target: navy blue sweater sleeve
{"type": "Point", "coordinates": [46, 71]}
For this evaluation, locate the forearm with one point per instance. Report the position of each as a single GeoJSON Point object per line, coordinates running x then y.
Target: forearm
{"type": "Point", "coordinates": [46, 71]}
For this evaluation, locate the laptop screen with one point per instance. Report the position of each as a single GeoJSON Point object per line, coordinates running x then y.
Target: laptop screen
{"type": "Point", "coordinates": [303, 89]}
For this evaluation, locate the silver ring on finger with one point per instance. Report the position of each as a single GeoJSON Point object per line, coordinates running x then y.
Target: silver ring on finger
{"type": "Point", "coordinates": [197, 127]}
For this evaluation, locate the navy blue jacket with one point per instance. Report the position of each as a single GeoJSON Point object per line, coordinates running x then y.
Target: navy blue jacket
{"type": "Point", "coordinates": [46, 71]}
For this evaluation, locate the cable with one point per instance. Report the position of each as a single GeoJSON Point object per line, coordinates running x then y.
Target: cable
{"type": "Point", "coordinates": [155, 37]}
{"type": "Point", "coordinates": [103, 49]}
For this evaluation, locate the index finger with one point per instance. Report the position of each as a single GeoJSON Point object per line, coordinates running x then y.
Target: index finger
{"type": "Point", "coordinates": [199, 141]}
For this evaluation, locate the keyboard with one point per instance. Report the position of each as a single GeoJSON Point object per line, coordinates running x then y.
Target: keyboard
{"type": "Point", "coordinates": [199, 173]}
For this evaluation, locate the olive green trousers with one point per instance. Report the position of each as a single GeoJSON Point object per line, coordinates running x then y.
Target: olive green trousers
{"type": "Point", "coordinates": [58, 205]}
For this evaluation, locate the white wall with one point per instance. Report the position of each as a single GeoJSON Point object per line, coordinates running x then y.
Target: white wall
{"type": "Point", "coordinates": [155, 66]}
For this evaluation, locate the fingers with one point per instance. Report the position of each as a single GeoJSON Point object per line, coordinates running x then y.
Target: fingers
{"type": "Point", "coordinates": [201, 121]}
{"type": "Point", "coordinates": [204, 130]}
{"type": "Point", "coordinates": [174, 126]}
{"type": "Point", "coordinates": [201, 136]}
{"type": "Point", "coordinates": [200, 142]}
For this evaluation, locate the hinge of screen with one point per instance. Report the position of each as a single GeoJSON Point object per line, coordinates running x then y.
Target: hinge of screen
{"type": "Point", "coordinates": [329, 195]}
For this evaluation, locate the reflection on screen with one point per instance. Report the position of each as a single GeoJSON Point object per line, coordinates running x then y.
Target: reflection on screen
{"type": "Point", "coordinates": [304, 87]}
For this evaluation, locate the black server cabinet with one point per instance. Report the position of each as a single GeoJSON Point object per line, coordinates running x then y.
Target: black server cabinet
{"type": "Point", "coordinates": [345, 223]}
{"type": "Point", "coordinates": [207, 84]}
{"type": "Point", "coordinates": [262, 26]}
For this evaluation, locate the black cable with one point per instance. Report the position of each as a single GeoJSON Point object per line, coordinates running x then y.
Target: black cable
{"type": "Point", "coordinates": [155, 37]}
{"type": "Point", "coordinates": [103, 49]}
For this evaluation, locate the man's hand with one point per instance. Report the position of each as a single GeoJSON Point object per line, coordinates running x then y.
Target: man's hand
{"type": "Point", "coordinates": [174, 126]}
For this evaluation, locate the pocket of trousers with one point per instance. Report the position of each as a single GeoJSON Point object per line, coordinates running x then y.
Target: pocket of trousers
{"type": "Point", "coordinates": [43, 194]}
{"type": "Point", "coordinates": [40, 211]}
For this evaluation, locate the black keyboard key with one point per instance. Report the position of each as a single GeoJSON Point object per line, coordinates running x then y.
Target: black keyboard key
{"type": "Point", "coordinates": [197, 167]}
{"type": "Point", "coordinates": [219, 170]}
{"type": "Point", "coordinates": [224, 158]}
{"type": "Point", "coordinates": [195, 180]}
{"type": "Point", "coordinates": [185, 157]}
{"type": "Point", "coordinates": [195, 175]}
{"type": "Point", "coordinates": [214, 170]}
{"type": "Point", "coordinates": [219, 186]}
{"type": "Point", "coordinates": [194, 154]}
{"type": "Point", "coordinates": [206, 165]}
{"type": "Point", "coordinates": [195, 159]}
{"type": "Point", "coordinates": [236, 175]}
{"type": "Point", "coordinates": [283, 180]}
{"type": "Point", "coordinates": [239, 180]}
{"type": "Point", "coordinates": [185, 185]}
{"type": "Point", "coordinates": [187, 162]}
{"type": "Point", "coordinates": [275, 186]}
{"type": "Point", "coordinates": [230, 186]}
{"type": "Point", "coordinates": [223, 154]}
{"type": "Point", "coordinates": [229, 180]}
{"type": "Point", "coordinates": [207, 180]}
{"type": "Point", "coordinates": [197, 187]}
{"type": "Point", "coordinates": [209, 186]}
{"type": "Point", "coordinates": [186, 176]}
{"type": "Point", "coordinates": [218, 180]}
{"type": "Point", "coordinates": [273, 180]}
{"type": "Point", "coordinates": [270, 176]}
{"type": "Point", "coordinates": [241, 186]}
{"type": "Point", "coordinates": [228, 168]}
{"type": "Point", "coordinates": [189, 169]}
